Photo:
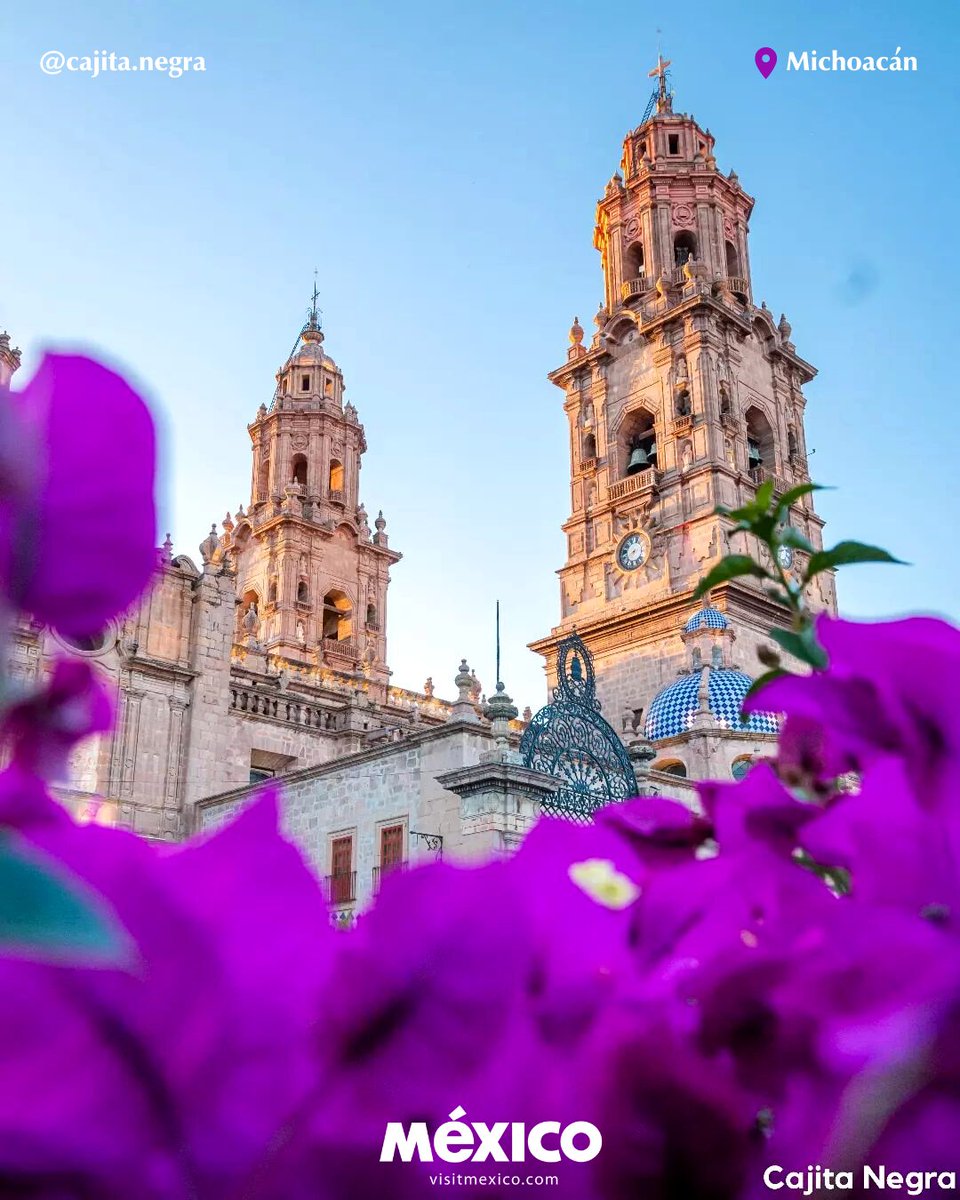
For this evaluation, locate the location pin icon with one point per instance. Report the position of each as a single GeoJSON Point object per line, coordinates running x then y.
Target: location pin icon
{"type": "Point", "coordinates": [766, 60]}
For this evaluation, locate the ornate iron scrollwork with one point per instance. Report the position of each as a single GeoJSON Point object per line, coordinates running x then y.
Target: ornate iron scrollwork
{"type": "Point", "coordinates": [431, 841]}
{"type": "Point", "coordinates": [570, 740]}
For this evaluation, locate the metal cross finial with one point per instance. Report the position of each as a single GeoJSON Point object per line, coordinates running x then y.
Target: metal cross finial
{"type": "Point", "coordinates": [497, 680]}
{"type": "Point", "coordinates": [660, 70]}
{"type": "Point", "coordinates": [314, 311]}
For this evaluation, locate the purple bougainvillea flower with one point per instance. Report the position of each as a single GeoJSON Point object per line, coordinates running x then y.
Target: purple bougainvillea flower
{"type": "Point", "coordinates": [80, 542]}
{"type": "Point", "coordinates": [44, 728]}
{"type": "Point", "coordinates": [662, 831]}
{"type": "Point", "coordinates": [675, 1124]}
{"type": "Point", "coordinates": [580, 887]}
{"type": "Point", "coordinates": [889, 689]}
{"type": "Point", "coordinates": [202, 1050]}
{"type": "Point", "coordinates": [425, 989]}
{"type": "Point", "coordinates": [898, 852]}
{"type": "Point", "coordinates": [847, 998]}
{"type": "Point", "coordinates": [745, 894]}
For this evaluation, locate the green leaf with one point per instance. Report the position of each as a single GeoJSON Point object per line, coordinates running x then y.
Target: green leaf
{"type": "Point", "coordinates": [728, 568]}
{"type": "Point", "coordinates": [801, 645]}
{"type": "Point", "coordinates": [765, 527]}
{"type": "Point", "coordinates": [48, 914]}
{"type": "Point", "coordinates": [790, 497]}
{"type": "Point", "coordinates": [764, 495]}
{"type": "Point", "coordinates": [791, 536]}
{"type": "Point", "coordinates": [845, 554]}
{"type": "Point", "coordinates": [762, 680]}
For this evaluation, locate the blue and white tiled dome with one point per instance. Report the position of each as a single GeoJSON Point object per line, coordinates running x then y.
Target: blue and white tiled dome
{"type": "Point", "coordinates": [706, 618]}
{"type": "Point", "coordinates": [673, 708]}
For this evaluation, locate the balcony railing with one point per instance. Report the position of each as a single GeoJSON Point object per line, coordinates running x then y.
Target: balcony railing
{"type": "Point", "coordinates": [682, 425]}
{"type": "Point", "coordinates": [342, 887]}
{"type": "Point", "coordinates": [634, 287]}
{"type": "Point", "coordinates": [385, 869]}
{"type": "Point", "coordinates": [345, 647]}
{"type": "Point", "coordinates": [736, 284]}
{"type": "Point", "coordinates": [337, 496]}
{"type": "Point", "coordinates": [728, 420]}
{"type": "Point", "coordinates": [761, 475]}
{"type": "Point", "coordinates": [634, 483]}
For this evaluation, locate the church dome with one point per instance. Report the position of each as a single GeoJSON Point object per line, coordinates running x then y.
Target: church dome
{"type": "Point", "coordinates": [706, 618]}
{"type": "Point", "coordinates": [673, 708]}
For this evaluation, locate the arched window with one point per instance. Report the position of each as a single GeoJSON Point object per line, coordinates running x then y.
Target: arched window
{"type": "Point", "coordinates": [684, 247]}
{"type": "Point", "coordinates": [633, 261]}
{"type": "Point", "coordinates": [272, 591]}
{"type": "Point", "coordinates": [638, 442]}
{"type": "Point", "coordinates": [733, 260]}
{"type": "Point", "coordinates": [759, 441]}
{"type": "Point", "coordinates": [300, 470]}
{"type": "Point", "coordinates": [336, 476]}
{"type": "Point", "coordinates": [792, 449]}
{"type": "Point", "coordinates": [372, 622]}
{"type": "Point", "coordinates": [337, 614]}
{"type": "Point", "coordinates": [303, 592]}
{"type": "Point", "coordinates": [589, 446]}
{"type": "Point", "coordinates": [671, 766]}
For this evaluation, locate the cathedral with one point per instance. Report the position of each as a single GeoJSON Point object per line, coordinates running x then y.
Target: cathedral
{"type": "Point", "coordinates": [269, 655]}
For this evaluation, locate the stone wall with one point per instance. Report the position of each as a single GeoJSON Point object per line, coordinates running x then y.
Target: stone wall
{"type": "Point", "coordinates": [358, 794]}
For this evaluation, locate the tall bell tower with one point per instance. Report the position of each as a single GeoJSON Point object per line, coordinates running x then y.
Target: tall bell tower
{"type": "Point", "coordinates": [312, 576]}
{"type": "Point", "coordinates": [688, 396]}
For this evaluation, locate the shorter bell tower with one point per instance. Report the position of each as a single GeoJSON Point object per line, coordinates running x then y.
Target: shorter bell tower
{"type": "Point", "coordinates": [312, 575]}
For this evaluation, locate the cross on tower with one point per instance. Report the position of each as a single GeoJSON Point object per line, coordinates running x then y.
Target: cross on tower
{"type": "Point", "coordinates": [660, 70]}
{"type": "Point", "coordinates": [314, 311]}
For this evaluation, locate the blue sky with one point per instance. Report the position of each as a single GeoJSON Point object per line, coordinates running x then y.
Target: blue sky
{"type": "Point", "coordinates": [439, 164]}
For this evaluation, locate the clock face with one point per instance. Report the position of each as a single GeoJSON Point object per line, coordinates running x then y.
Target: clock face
{"type": "Point", "coordinates": [785, 557]}
{"type": "Point", "coordinates": [632, 551]}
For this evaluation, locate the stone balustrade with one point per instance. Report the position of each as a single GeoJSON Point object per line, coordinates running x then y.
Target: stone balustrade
{"type": "Point", "coordinates": [634, 484]}
{"type": "Point", "coordinates": [273, 707]}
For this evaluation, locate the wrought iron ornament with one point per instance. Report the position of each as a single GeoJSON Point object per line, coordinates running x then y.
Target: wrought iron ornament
{"type": "Point", "coordinates": [570, 740]}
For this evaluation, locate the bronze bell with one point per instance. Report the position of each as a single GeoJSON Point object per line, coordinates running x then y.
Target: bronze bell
{"type": "Point", "coordinates": [638, 461]}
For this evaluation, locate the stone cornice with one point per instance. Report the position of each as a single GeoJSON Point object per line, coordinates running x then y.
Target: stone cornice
{"type": "Point", "coordinates": [743, 320]}
{"type": "Point", "coordinates": [308, 774]}
{"type": "Point", "coordinates": [285, 519]}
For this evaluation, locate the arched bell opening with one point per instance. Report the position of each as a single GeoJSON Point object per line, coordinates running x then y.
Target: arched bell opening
{"type": "Point", "coordinates": [684, 247]}
{"type": "Point", "coordinates": [760, 444]}
{"type": "Point", "coordinates": [638, 442]}
{"type": "Point", "coordinates": [299, 470]}
{"type": "Point", "coordinates": [337, 616]}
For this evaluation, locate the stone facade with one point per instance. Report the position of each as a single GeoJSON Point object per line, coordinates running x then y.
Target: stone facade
{"type": "Point", "coordinates": [448, 791]}
{"type": "Point", "coordinates": [270, 657]}
{"type": "Point", "coordinates": [688, 396]}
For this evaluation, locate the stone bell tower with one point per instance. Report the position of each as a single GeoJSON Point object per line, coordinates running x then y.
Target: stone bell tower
{"type": "Point", "coordinates": [311, 576]}
{"type": "Point", "coordinates": [9, 361]}
{"type": "Point", "coordinates": [688, 395]}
